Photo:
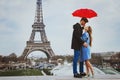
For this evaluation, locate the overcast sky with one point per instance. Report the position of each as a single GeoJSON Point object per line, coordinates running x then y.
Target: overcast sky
{"type": "Point", "coordinates": [17, 17]}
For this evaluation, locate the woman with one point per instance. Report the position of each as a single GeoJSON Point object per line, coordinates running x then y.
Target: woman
{"type": "Point", "coordinates": [86, 54]}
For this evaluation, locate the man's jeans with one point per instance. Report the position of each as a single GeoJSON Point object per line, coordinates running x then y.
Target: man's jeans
{"type": "Point", "coordinates": [75, 61]}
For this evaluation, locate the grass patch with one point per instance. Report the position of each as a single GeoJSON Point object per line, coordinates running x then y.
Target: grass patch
{"type": "Point", "coordinates": [47, 71]}
{"type": "Point", "coordinates": [118, 70]}
{"type": "Point", "coordinates": [27, 72]}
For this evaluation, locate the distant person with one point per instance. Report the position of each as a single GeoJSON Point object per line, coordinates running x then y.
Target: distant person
{"type": "Point", "coordinates": [77, 44]}
{"type": "Point", "coordinates": [86, 53]}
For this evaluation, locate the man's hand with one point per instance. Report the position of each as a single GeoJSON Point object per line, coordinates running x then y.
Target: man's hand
{"type": "Point", "coordinates": [85, 44]}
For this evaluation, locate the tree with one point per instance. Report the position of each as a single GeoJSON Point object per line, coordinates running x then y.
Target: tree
{"type": "Point", "coordinates": [69, 58]}
{"type": "Point", "coordinates": [58, 57]}
{"type": "Point", "coordinates": [5, 59]}
{"type": "Point", "coordinates": [96, 59]}
{"type": "Point", "coordinates": [13, 57]}
{"type": "Point", "coordinates": [1, 58]}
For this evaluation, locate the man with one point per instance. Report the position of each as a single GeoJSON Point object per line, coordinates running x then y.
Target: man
{"type": "Point", "coordinates": [77, 43]}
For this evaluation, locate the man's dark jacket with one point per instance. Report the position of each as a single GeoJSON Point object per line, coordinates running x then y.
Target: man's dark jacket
{"type": "Point", "coordinates": [77, 42]}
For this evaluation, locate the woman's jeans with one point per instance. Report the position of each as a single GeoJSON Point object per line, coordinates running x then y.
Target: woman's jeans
{"type": "Point", "coordinates": [75, 61]}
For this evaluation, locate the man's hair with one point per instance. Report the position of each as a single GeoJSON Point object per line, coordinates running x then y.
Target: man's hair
{"type": "Point", "coordinates": [84, 19]}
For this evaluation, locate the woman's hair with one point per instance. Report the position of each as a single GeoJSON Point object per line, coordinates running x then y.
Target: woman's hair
{"type": "Point", "coordinates": [90, 34]}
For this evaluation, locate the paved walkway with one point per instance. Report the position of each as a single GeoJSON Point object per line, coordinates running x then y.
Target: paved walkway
{"type": "Point", "coordinates": [97, 77]}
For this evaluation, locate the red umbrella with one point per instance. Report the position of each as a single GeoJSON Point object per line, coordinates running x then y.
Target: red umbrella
{"type": "Point", "coordinates": [88, 13]}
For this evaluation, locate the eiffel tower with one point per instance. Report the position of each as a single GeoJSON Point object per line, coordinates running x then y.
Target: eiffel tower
{"type": "Point", "coordinates": [38, 27]}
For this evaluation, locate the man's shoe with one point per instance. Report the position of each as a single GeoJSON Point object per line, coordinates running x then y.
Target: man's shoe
{"type": "Point", "coordinates": [77, 76]}
{"type": "Point", "coordinates": [83, 74]}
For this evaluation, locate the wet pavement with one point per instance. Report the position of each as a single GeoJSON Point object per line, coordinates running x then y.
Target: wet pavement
{"type": "Point", "coordinates": [96, 77]}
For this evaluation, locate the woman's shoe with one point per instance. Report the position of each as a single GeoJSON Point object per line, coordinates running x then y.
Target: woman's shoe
{"type": "Point", "coordinates": [88, 75]}
{"type": "Point", "coordinates": [92, 76]}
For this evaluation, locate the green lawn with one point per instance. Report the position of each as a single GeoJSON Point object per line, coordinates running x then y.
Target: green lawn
{"type": "Point", "coordinates": [27, 72]}
{"type": "Point", "coordinates": [118, 70]}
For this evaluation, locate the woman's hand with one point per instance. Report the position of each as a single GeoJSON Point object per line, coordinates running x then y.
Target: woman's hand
{"type": "Point", "coordinates": [85, 44]}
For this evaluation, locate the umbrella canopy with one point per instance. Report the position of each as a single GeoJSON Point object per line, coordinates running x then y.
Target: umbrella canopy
{"type": "Point", "coordinates": [88, 13]}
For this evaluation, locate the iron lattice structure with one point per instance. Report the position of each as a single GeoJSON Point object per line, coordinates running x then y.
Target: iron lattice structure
{"type": "Point", "coordinates": [38, 27]}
